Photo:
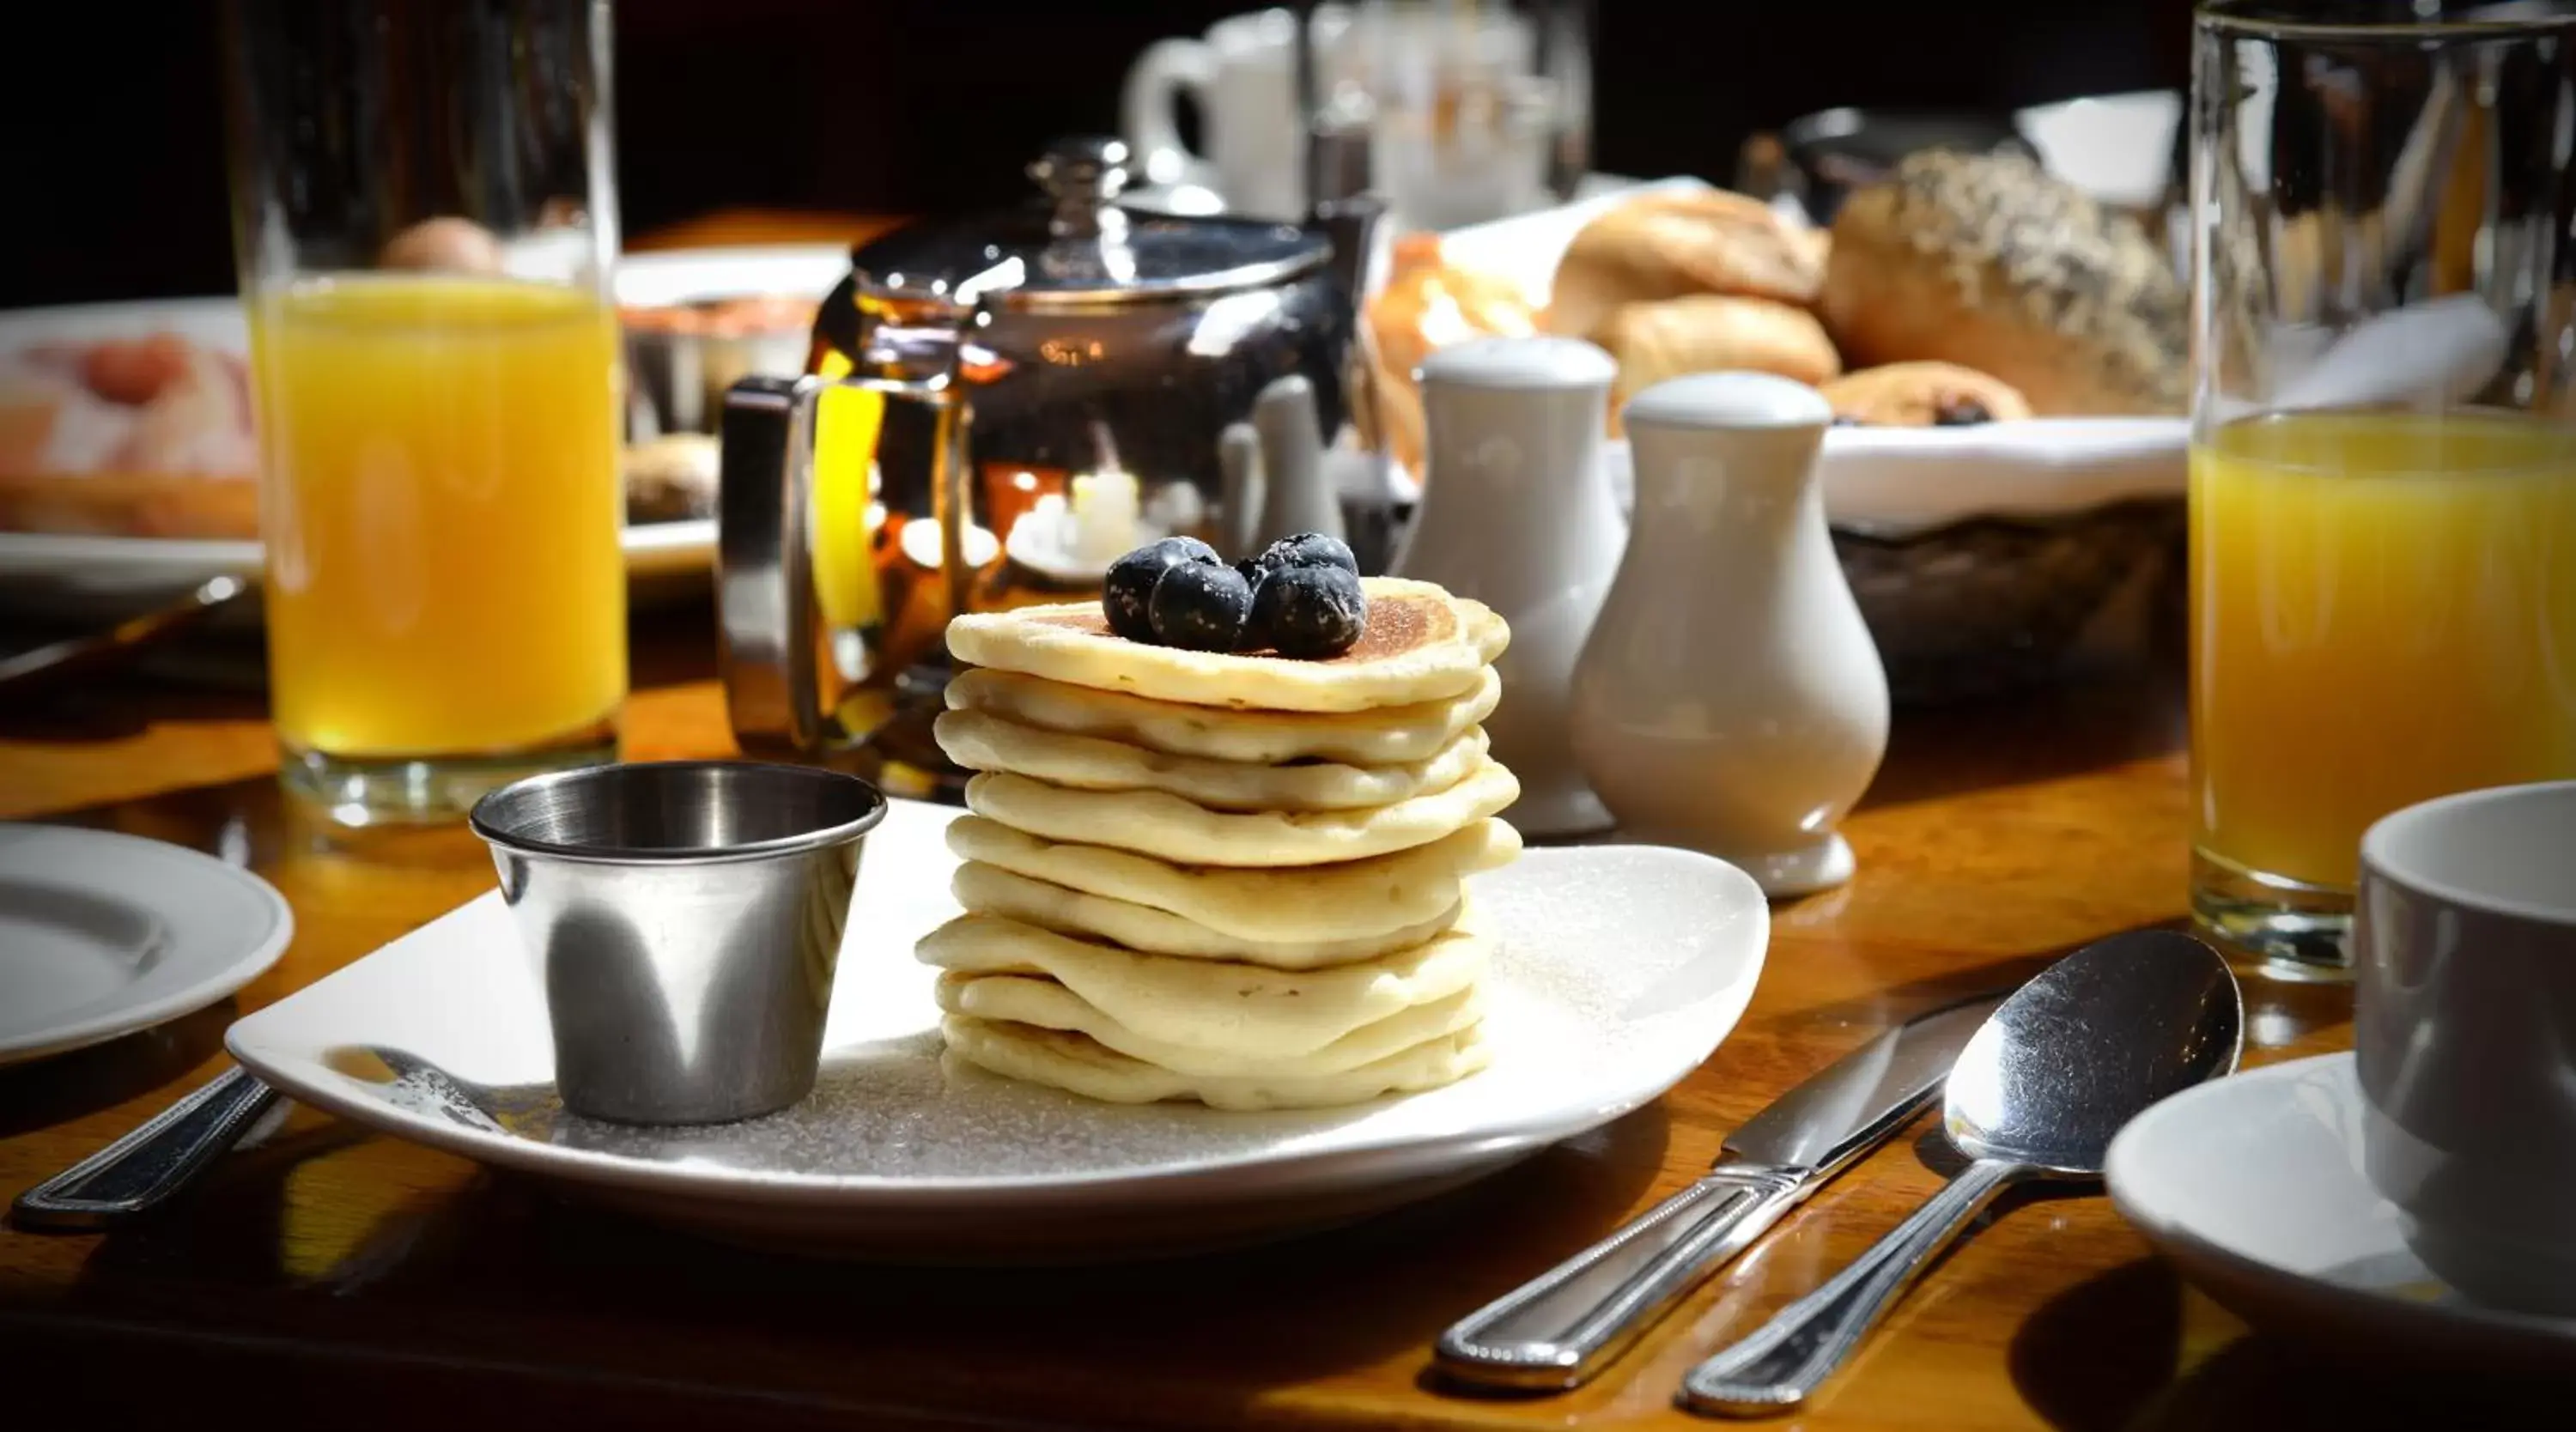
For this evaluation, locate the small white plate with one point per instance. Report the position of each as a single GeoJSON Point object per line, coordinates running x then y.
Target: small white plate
{"type": "Point", "coordinates": [2253, 1187]}
{"type": "Point", "coordinates": [103, 934]}
{"type": "Point", "coordinates": [1620, 970]}
{"type": "Point", "coordinates": [2119, 148]}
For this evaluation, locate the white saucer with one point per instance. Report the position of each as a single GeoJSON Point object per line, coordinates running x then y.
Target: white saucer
{"type": "Point", "coordinates": [1621, 969]}
{"type": "Point", "coordinates": [103, 934]}
{"type": "Point", "coordinates": [2253, 1187]}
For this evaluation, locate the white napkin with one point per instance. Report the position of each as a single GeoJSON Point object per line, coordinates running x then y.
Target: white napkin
{"type": "Point", "coordinates": [1895, 481]}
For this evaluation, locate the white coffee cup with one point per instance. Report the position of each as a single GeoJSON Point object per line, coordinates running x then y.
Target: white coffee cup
{"type": "Point", "coordinates": [2464, 1029]}
{"type": "Point", "coordinates": [1242, 75]}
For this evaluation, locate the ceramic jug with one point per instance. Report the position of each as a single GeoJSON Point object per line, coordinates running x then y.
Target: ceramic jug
{"type": "Point", "coordinates": [1730, 699]}
{"type": "Point", "coordinates": [1517, 514]}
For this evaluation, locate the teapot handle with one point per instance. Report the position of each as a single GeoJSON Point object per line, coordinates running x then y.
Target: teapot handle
{"type": "Point", "coordinates": [769, 618]}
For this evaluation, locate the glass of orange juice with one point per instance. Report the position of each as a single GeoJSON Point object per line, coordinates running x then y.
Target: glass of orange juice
{"type": "Point", "coordinates": [2383, 465]}
{"type": "Point", "coordinates": [425, 218]}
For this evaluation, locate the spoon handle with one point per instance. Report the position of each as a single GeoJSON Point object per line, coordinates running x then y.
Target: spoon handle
{"type": "Point", "coordinates": [1785, 1360]}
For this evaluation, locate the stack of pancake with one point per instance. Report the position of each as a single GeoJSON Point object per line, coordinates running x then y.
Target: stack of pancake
{"type": "Point", "coordinates": [1232, 878]}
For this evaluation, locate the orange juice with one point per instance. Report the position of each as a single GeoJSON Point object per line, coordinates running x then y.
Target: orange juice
{"type": "Point", "coordinates": [441, 505]}
{"type": "Point", "coordinates": [2383, 610]}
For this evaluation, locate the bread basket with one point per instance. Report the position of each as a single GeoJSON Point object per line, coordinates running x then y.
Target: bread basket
{"type": "Point", "coordinates": [2000, 558]}
{"type": "Point", "coordinates": [1988, 558]}
{"type": "Point", "coordinates": [1992, 605]}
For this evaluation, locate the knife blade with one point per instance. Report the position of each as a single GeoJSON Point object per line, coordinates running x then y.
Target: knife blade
{"type": "Point", "coordinates": [1562, 1327]}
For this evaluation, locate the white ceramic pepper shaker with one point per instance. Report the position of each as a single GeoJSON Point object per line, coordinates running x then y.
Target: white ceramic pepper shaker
{"type": "Point", "coordinates": [1730, 699]}
{"type": "Point", "coordinates": [1516, 514]}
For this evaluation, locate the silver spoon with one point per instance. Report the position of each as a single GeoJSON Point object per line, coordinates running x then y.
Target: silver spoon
{"type": "Point", "coordinates": [2037, 1093]}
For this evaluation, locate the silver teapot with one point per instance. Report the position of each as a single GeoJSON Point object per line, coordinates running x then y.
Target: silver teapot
{"type": "Point", "coordinates": [991, 412]}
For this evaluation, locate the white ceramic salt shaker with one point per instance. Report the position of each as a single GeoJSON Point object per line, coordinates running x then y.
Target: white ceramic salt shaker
{"type": "Point", "coordinates": [1515, 513]}
{"type": "Point", "coordinates": [1730, 699]}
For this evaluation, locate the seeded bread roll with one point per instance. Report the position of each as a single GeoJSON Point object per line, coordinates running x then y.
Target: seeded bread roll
{"type": "Point", "coordinates": [1706, 332]}
{"type": "Point", "coordinates": [1985, 261]}
{"type": "Point", "coordinates": [1923, 395]}
{"type": "Point", "coordinates": [1659, 246]}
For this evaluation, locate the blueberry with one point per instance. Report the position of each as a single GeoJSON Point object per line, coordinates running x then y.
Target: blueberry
{"type": "Point", "coordinates": [1306, 549]}
{"type": "Point", "coordinates": [1127, 594]}
{"type": "Point", "coordinates": [1309, 611]}
{"type": "Point", "coordinates": [1201, 606]}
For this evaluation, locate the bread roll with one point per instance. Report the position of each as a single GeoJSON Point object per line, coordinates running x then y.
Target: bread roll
{"type": "Point", "coordinates": [1706, 332]}
{"type": "Point", "coordinates": [1659, 246]}
{"type": "Point", "coordinates": [1923, 395]}
{"type": "Point", "coordinates": [1427, 305]}
{"type": "Point", "coordinates": [444, 245]}
{"type": "Point", "coordinates": [1985, 261]}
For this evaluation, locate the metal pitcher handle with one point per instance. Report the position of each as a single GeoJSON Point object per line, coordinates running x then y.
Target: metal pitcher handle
{"type": "Point", "coordinates": [770, 628]}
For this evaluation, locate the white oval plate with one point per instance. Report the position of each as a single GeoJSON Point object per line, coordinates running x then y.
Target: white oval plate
{"type": "Point", "coordinates": [2252, 1185]}
{"type": "Point", "coordinates": [143, 568]}
{"type": "Point", "coordinates": [102, 934]}
{"type": "Point", "coordinates": [90, 576]}
{"type": "Point", "coordinates": [1620, 970]}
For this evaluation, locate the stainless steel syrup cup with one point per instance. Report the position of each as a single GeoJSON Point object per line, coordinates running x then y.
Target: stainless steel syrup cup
{"type": "Point", "coordinates": [685, 918]}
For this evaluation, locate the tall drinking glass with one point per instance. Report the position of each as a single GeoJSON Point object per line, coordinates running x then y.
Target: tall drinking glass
{"type": "Point", "coordinates": [2383, 466]}
{"type": "Point", "coordinates": [424, 217]}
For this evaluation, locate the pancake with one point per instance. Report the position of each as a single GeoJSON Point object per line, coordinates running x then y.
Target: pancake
{"type": "Point", "coordinates": [1421, 644]}
{"type": "Point", "coordinates": [982, 742]}
{"type": "Point", "coordinates": [991, 890]}
{"type": "Point", "coordinates": [1352, 900]}
{"type": "Point", "coordinates": [1084, 1066]}
{"type": "Point", "coordinates": [1214, 1004]}
{"type": "Point", "coordinates": [1048, 1005]}
{"type": "Point", "coordinates": [1162, 825]}
{"type": "Point", "coordinates": [1386, 736]}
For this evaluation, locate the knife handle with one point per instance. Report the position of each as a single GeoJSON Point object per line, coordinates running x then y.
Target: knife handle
{"type": "Point", "coordinates": [1561, 1327]}
{"type": "Point", "coordinates": [142, 1170]}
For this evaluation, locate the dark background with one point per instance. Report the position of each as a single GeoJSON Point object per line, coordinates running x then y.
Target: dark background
{"type": "Point", "coordinates": [113, 138]}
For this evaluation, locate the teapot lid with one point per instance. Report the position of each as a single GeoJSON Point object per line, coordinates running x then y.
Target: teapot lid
{"type": "Point", "coordinates": [1078, 249]}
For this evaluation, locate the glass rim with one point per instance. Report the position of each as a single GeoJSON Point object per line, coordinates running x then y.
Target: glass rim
{"type": "Point", "coordinates": [2245, 18]}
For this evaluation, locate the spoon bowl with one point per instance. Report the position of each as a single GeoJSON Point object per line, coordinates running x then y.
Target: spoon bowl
{"type": "Point", "coordinates": [2055, 1071]}
{"type": "Point", "coordinates": [2086, 1046]}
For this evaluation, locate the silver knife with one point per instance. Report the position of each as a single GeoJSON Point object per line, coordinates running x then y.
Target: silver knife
{"type": "Point", "coordinates": [1563, 1326]}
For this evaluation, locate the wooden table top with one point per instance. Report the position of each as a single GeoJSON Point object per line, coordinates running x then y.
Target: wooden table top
{"type": "Point", "coordinates": [349, 1272]}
